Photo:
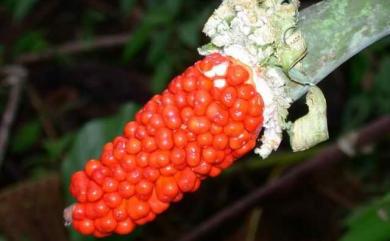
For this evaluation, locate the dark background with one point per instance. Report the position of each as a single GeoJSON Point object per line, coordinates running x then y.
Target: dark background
{"type": "Point", "coordinates": [91, 63]}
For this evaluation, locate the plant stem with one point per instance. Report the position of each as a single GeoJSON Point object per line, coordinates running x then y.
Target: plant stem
{"type": "Point", "coordinates": [334, 31]}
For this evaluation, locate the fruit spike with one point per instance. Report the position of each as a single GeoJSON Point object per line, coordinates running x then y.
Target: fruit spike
{"type": "Point", "coordinates": [206, 119]}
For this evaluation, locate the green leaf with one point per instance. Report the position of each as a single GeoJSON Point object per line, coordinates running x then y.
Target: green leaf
{"type": "Point", "coordinates": [33, 41]}
{"type": "Point", "coordinates": [55, 148]}
{"type": "Point", "coordinates": [26, 136]}
{"type": "Point", "coordinates": [126, 6]}
{"type": "Point", "coordinates": [158, 48]}
{"type": "Point", "coordinates": [190, 31]}
{"type": "Point", "coordinates": [370, 222]}
{"type": "Point", "coordinates": [91, 138]}
{"type": "Point", "coordinates": [162, 75]}
{"type": "Point", "coordinates": [137, 41]}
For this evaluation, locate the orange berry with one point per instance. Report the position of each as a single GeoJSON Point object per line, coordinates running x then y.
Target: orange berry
{"type": "Point", "coordinates": [156, 204]}
{"type": "Point", "coordinates": [86, 227]}
{"type": "Point", "coordinates": [166, 189]}
{"type": "Point", "coordinates": [178, 156]}
{"type": "Point", "coordinates": [217, 114]}
{"type": "Point", "coordinates": [118, 173]}
{"type": "Point", "coordinates": [144, 188]}
{"type": "Point", "coordinates": [202, 100]}
{"type": "Point", "coordinates": [91, 166]}
{"type": "Point", "coordinates": [171, 117]}
{"type": "Point", "coordinates": [189, 83]}
{"type": "Point", "coordinates": [204, 83]}
{"type": "Point", "coordinates": [168, 98]}
{"type": "Point", "coordinates": [94, 192]}
{"type": "Point", "coordinates": [124, 227]}
{"type": "Point", "coordinates": [100, 208]}
{"type": "Point", "coordinates": [229, 96]}
{"type": "Point", "coordinates": [239, 109]}
{"type": "Point", "coordinates": [133, 146]}
{"type": "Point", "coordinates": [137, 209]}
{"type": "Point", "coordinates": [246, 91]}
{"type": "Point", "coordinates": [186, 180]}
{"type": "Point", "coordinates": [209, 155]}
{"type": "Point", "coordinates": [120, 212]}
{"type": "Point", "coordinates": [168, 170]}
{"type": "Point", "coordinates": [205, 139]}
{"type": "Point", "coordinates": [110, 184]}
{"type": "Point", "coordinates": [90, 211]}
{"type": "Point", "coordinates": [256, 106]}
{"type": "Point", "coordinates": [78, 187]}
{"type": "Point", "coordinates": [215, 129]}
{"type": "Point", "coordinates": [126, 190]}
{"type": "Point", "coordinates": [112, 200]}
{"type": "Point", "coordinates": [245, 149]}
{"type": "Point", "coordinates": [175, 85]}
{"type": "Point", "coordinates": [252, 123]}
{"type": "Point", "coordinates": [156, 121]}
{"type": "Point", "coordinates": [149, 144]}
{"type": "Point", "coordinates": [130, 129]}
{"type": "Point", "coordinates": [78, 212]}
{"type": "Point", "coordinates": [164, 138]}
{"type": "Point", "coordinates": [186, 113]}
{"type": "Point", "coordinates": [145, 116]}
{"type": "Point", "coordinates": [141, 133]}
{"type": "Point", "coordinates": [107, 158]}
{"type": "Point", "coordinates": [214, 172]}
{"type": "Point", "coordinates": [181, 99]}
{"type": "Point", "coordinates": [203, 168]}
{"type": "Point", "coordinates": [106, 224]}
{"type": "Point", "coordinates": [198, 125]}
{"type": "Point", "coordinates": [193, 154]}
{"type": "Point", "coordinates": [151, 174]}
{"type": "Point", "coordinates": [180, 138]}
{"type": "Point", "coordinates": [233, 128]}
{"type": "Point", "coordinates": [142, 159]}
{"type": "Point", "coordinates": [237, 74]}
{"type": "Point", "coordinates": [220, 141]}
{"type": "Point", "coordinates": [129, 162]}
{"type": "Point", "coordinates": [134, 176]}
{"type": "Point", "coordinates": [159, 159]}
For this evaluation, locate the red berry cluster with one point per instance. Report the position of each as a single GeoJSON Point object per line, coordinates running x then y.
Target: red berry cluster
{"type": "Point", "coordinates": [194, 129]}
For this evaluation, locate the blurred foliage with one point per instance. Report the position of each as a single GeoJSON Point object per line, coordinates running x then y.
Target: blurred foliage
{"type": "Point", "coordinates": [26, 136]}
{"type": "Point", "coordinates": [19, 8]}
{"type": "Point", "coordinates": [169, 27]}
{"type": "Point", "coordinates": [370, 222]}
{"type": "Point", "coordinates": [165, 35]}
{"type": "Point", "coordinates": [369, 86]}
{"type": "Point", "coordinates": [126, 6]}
{"type": "Point", "coordinates": [30, 42]}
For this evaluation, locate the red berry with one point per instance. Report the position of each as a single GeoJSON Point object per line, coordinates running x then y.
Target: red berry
{"type": "Point", "coordinates": [137, 209]}
{"type": "Point", "coordinates": [125, 227]}
{"type": "Point", "coordinates": [237, 74]}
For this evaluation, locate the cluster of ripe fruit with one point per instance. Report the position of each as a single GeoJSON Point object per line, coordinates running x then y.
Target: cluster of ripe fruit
{"type": "Point", "coordinates": [207, 118]}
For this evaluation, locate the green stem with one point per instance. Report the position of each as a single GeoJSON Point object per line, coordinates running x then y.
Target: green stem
{"type": "Point", "coordinates": [336, 30]}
